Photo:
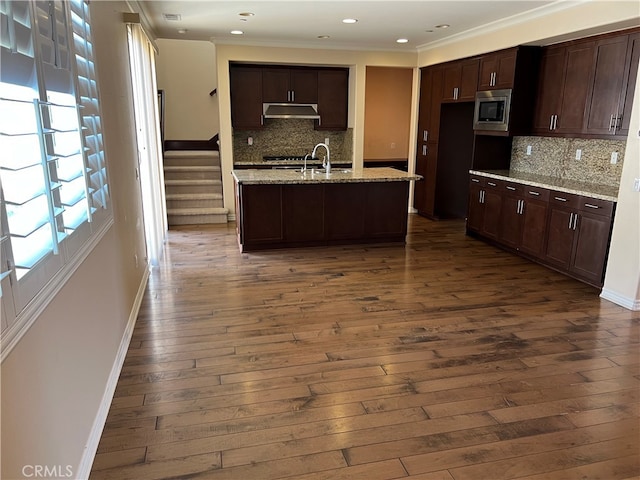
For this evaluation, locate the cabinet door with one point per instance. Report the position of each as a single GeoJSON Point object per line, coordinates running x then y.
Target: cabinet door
{"type": "Point", "coordinates": [344, 215]}
{"type": "Point", "coordinates": [469, 80]}
{"type": "Point", "coordinates": [302, 212]}
{"type": "Point", "coordinates": [591, 246]}
{"type": "Point", "coordinates": [488, 67]}
{"type": "Point", "coordinates": [606, 96]}
{"type": "Point", "coordinates": [475, 213]}
{"type": "Point", "coordinates": [534, 227]}
{"type": "Point", "coordinates": [560, 236]}
{"type": "Point", "coordinates": [386, 210]}
{"type": "Point", "coordinates": [436, 103]}
{"type": "Point", "coordinates": [426, 188]}
{"type": "Point", "coordinates": [549, 89]}
{"type": "Point", "coordinates": [246, 97]}
{"type": "Point", "coordinates": [304, 85]}
{"type": "Point", "coordinates": [633, 57]}
{"type": "Point", "coordinates": [424, 110]}
{"type": "Point", "coordinates": [505, 69]}
{"type": "Point", "coordinates": [511, 220]}
{"type": "Point", "coordinates": [262, 207]}
{"type": "Point", "coordinates": [578, 72]}
{"type": "Point", "coordinates": [492, 210]}
{"type": "Point", "coordinates": [333, 93]}
{"type": "Point", "coordinates": [275, 85]}
{"type": "Point", "coordinates": [451, 76]}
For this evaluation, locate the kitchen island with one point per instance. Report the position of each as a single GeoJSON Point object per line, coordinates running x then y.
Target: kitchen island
{"type": "Point", "coordinates": [288, 208]}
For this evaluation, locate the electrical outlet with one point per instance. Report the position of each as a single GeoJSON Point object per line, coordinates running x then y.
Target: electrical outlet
{"type": "Point", "coordinates": [636, 185]}
{"type": "Point", "coordinates": [135, 259]}
{"type": "Point", "coordinates": [528, 149]}
{"type": "Point", "coordinates": [614, 158]}
{"type": "Point", "coordinates": [578, 154]}
{"type": "Point", "coordinates": [250, 141]}
{"type": "Point", "coordinates": [326, 141]}
{"type": "Point", "coordinates": [393, 145]}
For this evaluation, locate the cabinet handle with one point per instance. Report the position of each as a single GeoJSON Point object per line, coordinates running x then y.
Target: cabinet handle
{"type": "Point", "coordinates": [475, 180]}
{"type": "Point", "coordinates": [293, 95]}
{"type": "Point", "coordinates": [575, 221]}
{"type": "Point", "coordinates": [571, 221]}
{"type": "Point", "coordinates": [560, 199]}
{"type": "Point", "coordinates": [424, 150]}
{"type": "Point", "coordinates": [611, 126]}
{"type": "Point", "coordinates": [491, 184]}
{"type": "Point", "coordinates": [455, 93]}
{"type": "Point", "coordinates": [534, 193]}
{"type": "Point", "coordinates": [555, 122]}
{"type": "Point", "coordinates": [551, 122]}
{"type": "Point", "coordinates": [425, 135]}
{"type": "Point", "coordinates": [510, 188]}
{"type": "Point", "coordinates": [591, 205]}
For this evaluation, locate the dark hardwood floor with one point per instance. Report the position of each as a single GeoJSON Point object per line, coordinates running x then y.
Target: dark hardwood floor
{"type": "Point", "coordinates": [442, 359]}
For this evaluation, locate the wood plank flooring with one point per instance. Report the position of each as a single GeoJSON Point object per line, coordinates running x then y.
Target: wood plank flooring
{"type": "Point", "coordinates": [445, 359]}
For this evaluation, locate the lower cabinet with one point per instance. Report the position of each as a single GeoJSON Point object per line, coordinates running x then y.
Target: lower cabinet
{"type": "Point", "coordinates": [282, 215]}
{"type": "Point", "coordinates": [567, 232]}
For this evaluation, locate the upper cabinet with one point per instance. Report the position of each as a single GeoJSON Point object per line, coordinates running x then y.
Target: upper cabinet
{"type": "Point", "coordinates": [246, 97]}
{"type": "Point", "coordinates": [333, 98]}
{"type": "Point", "coordinates": [498, 69]}
{"type": "Point", "coordinates": [460, 81]}
{"type": "Point", "coordinates": [253, 85]}
{"type": "Point", "coordinates": [586, 87]}
{"type": "Point", "coordinates": [289, 85]}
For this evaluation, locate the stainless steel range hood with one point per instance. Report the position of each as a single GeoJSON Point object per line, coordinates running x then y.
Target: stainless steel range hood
{"type": "Point", "coordinates": [291, 110]}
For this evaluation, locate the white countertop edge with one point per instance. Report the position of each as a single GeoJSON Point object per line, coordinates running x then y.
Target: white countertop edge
{"type": "Point", "coordinates": [582, 190]}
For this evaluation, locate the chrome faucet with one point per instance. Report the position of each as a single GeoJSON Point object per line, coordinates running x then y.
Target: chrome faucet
{"type": "Point", "coordinates": [304, 169]}
{"type": "Point", "coordinates": [326, 163]}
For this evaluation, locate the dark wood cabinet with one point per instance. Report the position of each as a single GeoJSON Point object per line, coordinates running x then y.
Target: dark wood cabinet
{"type": "Point", "coordinates": [284, 215]}
{"type": "Point", "coordinates": [427, 142]}
{"type": "Point", "coordinates": [586, 87]}
{"type": "Point", "coordinates": [289, 85]}
{"type": "Point", "coordinates": [632, 60]}
{"type": "Point", "coordinates": [333, 98]}
{"type": "Point", "coordinates": [567, 232]}
{"type": "Point", "coordinates": [246, 97]}
{"type": "Point", "coordinates": [563, 89]}
{"type": "Point", "coordinates": [498, 69]}
{"type": "Point", "coordinates": [460, 81]}
{"type": "Point", "coordinates": [606, 97]}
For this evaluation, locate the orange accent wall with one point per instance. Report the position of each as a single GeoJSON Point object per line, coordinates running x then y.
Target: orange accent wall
{"type": "Point", "coordinates": [387, 114]}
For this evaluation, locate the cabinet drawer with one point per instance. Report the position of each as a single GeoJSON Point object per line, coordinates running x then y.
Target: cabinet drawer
{"type": "Point", "coordinates": [536, 193]}
{"type": "Point", "coordinates": [477, 180]}
{"type": "Point", "coordinates": [566, 199]}
{"type": "Point", "coordinates": [514, 188]}
{"type": "Point", "coordinates": [492, 183]}
{"type": "Point", "coordinates": [597, 206]}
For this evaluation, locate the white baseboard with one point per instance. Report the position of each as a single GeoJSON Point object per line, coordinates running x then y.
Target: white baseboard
{"type": "Point", "coordinates": [626, 302]}
{"type": "Point", "coordinates": [90, 449]}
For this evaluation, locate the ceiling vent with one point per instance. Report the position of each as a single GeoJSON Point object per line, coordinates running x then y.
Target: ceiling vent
{"type": "Point", "coordinates": [172, 17]}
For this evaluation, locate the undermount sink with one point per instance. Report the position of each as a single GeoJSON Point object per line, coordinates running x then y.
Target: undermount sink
{"type": "Point", "coordinates": [333, 170]}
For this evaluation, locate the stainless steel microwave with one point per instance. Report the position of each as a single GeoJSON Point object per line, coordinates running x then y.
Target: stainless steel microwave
{"type": "Point", "coordinates": [492, 111]}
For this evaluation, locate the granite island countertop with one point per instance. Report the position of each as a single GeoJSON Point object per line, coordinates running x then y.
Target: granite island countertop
{"type": "Point", "coordinates": [337, 175]}
{"type": "Point", "coordinates": [593, 190]}
{"type": "Point", "coordinates": [286, 163]}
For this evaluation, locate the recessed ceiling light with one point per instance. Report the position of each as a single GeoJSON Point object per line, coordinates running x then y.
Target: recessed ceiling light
{"type": "Point", "coordinates": [182, 30]}
{"type": "Point", "coordinates": [323, 37]}
{"type": "Point", "coordinates": [443, 25]}
{"type": "Point", "coordinates": [246, 14]}
{"type": "Point", "coordinates": [350, 20]}
{"type": "Point", "coordinates": [174, 17]}
{"type": "Point", "coordinates": [428, 31]}
{"type": "Point", "coordinates": [402, 40]}
{"type": "Point", "coordinates": [237, 32]}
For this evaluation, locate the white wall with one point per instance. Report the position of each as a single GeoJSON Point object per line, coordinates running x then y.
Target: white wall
{"type": "Point", "coordinates": [54, 380]}
{"type": "Point", "coordinates": [186, 71]}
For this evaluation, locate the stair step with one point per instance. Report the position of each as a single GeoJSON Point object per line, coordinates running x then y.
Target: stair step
{"type": "Point", "coordinates": [191, 168]}
{"type": "Point", "coordinates": [194, 182]}
{"type": "Point", "coordinates": [194, 196]}
{"type": "Point", "coordinates": [198, 211]}
{"type": "Point", "coordinates": [191, 153]}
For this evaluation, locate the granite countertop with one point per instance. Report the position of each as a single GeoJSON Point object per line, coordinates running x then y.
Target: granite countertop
{"type": "Point", "coordinates": [287, 163]}
{"type": "Point", "coordinates": [337, 175]}
{"type": "Point", "coordinates": [593, 190]}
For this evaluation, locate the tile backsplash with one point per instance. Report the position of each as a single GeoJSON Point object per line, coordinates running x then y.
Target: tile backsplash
{"type": "Point", "coordinates": [556, 157]}
{"type": "Point", "coordinates": [290, 137]}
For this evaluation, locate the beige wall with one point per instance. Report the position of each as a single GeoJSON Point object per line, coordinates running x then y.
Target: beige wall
{"type": "Point", "coordinates": [387, 115]}
{"type": "Point", "coordinates": [54, 380]}
{"type": "Point", "coordinates": [186, 71]}
{"type": "Point", "coordinates": [622, 284]}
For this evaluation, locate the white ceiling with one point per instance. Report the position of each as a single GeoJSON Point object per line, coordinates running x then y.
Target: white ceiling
{"type": "Point", "coordinates": [380, 23]}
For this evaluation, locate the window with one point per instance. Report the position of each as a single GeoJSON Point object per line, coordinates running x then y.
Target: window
{"type": "Point", "coordinates": [54, 193]}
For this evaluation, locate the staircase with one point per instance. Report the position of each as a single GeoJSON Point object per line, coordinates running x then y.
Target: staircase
{"type": "Point", "coordinates": [193, 185]}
